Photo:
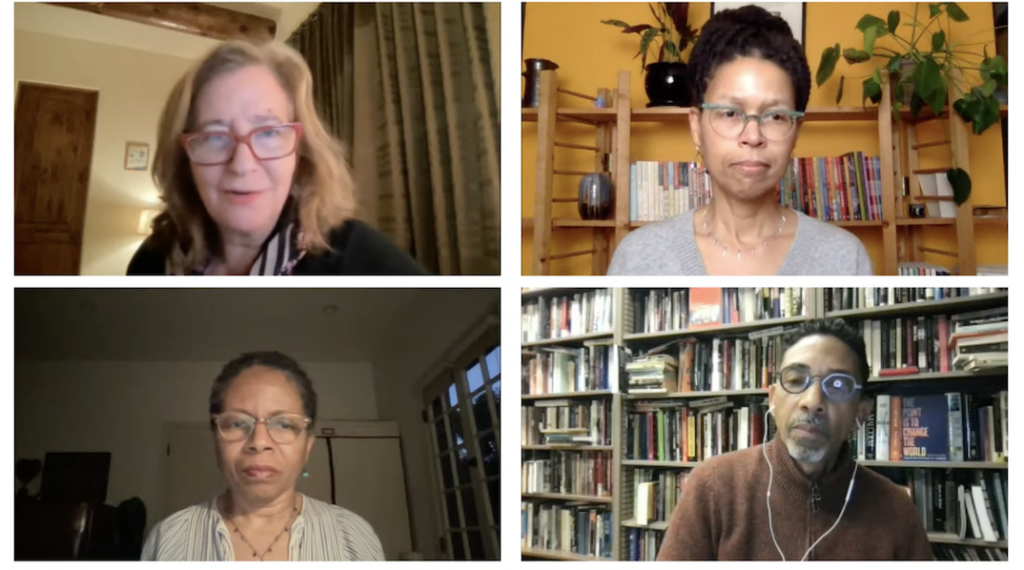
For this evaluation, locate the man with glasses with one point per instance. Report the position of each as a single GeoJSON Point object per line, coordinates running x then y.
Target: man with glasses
{"type": "Point", "coordinates": [802, 495]}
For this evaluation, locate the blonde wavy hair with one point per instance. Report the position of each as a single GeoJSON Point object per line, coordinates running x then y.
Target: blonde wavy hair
{"type": "Point", "coordinates": [322, 191]}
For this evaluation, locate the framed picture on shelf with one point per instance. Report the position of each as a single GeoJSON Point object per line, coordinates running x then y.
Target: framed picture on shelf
{"type": "Point", "coordinates": [136, 156]}
{"type": "Point", "coordinates": [794, 13]}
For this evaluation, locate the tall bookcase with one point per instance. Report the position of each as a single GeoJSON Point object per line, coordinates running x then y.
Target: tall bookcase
{"type": "Point", "coordinates": [902, 236]}
{"type": "Point", "coordinates": [813, 303]}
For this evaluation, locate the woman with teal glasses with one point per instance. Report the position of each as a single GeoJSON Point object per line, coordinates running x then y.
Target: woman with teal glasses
{"type": "Point", "coordinates": [750, 83]}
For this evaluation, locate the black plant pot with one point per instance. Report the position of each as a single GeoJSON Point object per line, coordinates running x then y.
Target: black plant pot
{"type": "Point", "coordinates": [667, 85]}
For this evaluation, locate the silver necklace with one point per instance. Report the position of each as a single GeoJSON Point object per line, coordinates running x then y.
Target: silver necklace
{"type": "Point", "coordinates": [739, 251]}
{"type": "Point", "coordinates": [295, 514]}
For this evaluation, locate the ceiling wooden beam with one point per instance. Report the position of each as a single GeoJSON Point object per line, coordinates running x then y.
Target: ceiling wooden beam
{"type": "Point", "coordinates": [190, 18]}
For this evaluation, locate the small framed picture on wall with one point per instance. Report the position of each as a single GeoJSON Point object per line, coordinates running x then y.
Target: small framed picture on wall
{"type": "Point", "coordinates": [794, 13]}
{"type": "Point", "coordinates": [136, 156]}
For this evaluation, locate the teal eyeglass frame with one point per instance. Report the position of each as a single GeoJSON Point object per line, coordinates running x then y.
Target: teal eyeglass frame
{"type": "Point", "coordinates": [757, 117]}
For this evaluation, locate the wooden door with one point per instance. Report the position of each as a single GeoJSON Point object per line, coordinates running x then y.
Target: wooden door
{"type": "Point", "coordinates": [53, 139]}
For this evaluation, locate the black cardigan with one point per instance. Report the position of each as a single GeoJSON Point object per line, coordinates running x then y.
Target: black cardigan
{"type": "Point", "coordinates": [356, 249]}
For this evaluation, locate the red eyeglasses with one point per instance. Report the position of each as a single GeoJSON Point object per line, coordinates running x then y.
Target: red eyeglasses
{"type": "Point", "coordinates": [265, 143]}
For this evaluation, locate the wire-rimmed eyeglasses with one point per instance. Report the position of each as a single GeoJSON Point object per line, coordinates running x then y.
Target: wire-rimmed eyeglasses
{"type": "Point", "coordinates": [239, 426]}
{"type": "Point", "coordinates": [839, 387]}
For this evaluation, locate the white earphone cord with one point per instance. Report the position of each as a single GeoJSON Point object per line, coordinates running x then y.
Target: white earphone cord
{"type": "Point", "coordinates": [768, 495]}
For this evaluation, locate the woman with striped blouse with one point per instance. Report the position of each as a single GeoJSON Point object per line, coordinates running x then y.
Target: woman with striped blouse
{"type": "Point", "coordinates": [262, 410]}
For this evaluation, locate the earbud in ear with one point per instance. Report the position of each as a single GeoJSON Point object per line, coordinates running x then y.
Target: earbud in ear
{"type": "Point", "coordinates": [771, 409]}
{"type": "Point", "coordinates": [860, 424]}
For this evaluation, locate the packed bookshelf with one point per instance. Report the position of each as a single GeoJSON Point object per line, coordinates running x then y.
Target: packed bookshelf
{"type": "Point", "coordinates": [854, 190]}
{"type": "Point", "coordinates": [626, 390]}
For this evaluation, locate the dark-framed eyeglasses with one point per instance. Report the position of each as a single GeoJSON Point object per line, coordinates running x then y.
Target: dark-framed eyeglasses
{"type": "Point", "coordinates": [729, 121]}
{"type": "Point", "coordinates": [839, 387]}
{"type": "Point", "coordinates": [239, 426]}
{"type": "Point", "coordinates": [272, 142]}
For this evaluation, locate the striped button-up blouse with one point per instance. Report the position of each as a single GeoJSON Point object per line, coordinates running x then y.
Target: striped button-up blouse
{"type": "Point", "coordinates": [321, 532]}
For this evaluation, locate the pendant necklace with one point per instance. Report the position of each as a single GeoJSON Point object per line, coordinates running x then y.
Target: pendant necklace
{"type": "Point", "coordinates": [295, 514]}
{"type": "Point", "coordinates": [739, 252]}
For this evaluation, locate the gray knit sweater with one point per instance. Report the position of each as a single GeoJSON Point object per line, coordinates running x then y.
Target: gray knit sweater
{"type": "Point", "coordinates": [669, 248]}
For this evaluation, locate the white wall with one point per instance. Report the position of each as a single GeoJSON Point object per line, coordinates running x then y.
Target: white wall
{"type": "Point", "coordinates": [401, 367]}
{"type": "Point", "coordinates": [133, 86]}
{"type": "Point", "coordinates": [121, 407]}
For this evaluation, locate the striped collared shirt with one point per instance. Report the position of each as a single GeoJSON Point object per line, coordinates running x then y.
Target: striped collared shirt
{"type": "Point", "coordinates": [321, 532]}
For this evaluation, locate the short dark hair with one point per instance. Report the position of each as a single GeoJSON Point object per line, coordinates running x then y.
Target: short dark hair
{"type": "Point", "coordinates": [749, 31]}
{"type": "Point", "coordinates": [838, 329]}
{"type": "Point", "coordinates": [283, 363]}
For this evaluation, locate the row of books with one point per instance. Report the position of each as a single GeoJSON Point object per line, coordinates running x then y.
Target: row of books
{"type": "Point", "coordinates": [656, 493]}
{"type": "Point", "coordinates": [826, 188]}
{"type": "Point", "coordinates": [737, 363]}
{"type": "Point", "coordinates": [567, 315]}
{"type": "Point", "coordinates": [586, 473]}
{"type": "Point", "coordinates": [574, 528]}
{"type": "Point", "coordinates": [937, 343]}
{"type": "Point", "coordinates": [849, 298]}
{"type": "Point", "coordinates": [642, 545]}
{"type": "Point", "coordinates": [840, 188]}
{"type": "Point", "coordinates": [961, 553]}
{"type": "Point", "coordinates": [563, 370]}
{"type": "Point", "coordinates": [937, 427]}
{"type": "Point", "coordinates": [959, 504]}
{"type": "Point", "coordinates": [657, 310]}
{"type": "Point", "coordinates": [661, 190]}
{"type": "Point", "coordinates": [561, 422]}
{"type": "Point", "coordinates": [693, 431]}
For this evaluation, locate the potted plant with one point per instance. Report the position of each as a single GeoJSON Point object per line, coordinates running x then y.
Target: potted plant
{"type": "Point", "coordinates": [920, 74]}
{"type": "Point", "coordinates": [666, 79]}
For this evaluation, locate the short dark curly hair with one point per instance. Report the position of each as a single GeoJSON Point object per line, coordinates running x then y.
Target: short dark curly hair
{"type": "Point", "coordinates": [749, 31]}
{"type": "Point", "coordinates": [283, 363]}
{"type": "Point", "coordinates": [838, 329]}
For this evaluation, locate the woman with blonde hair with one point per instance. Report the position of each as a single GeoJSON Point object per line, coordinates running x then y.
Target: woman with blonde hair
{"type": "Point", "coordinates": [253, 182]}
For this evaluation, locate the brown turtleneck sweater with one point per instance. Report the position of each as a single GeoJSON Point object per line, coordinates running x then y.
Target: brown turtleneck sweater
{"type": "Point", "coordinates": [722, 514]}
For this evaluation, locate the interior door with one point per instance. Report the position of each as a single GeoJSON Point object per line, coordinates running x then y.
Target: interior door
{"type": "Point", "coordinates": [369, 480]}
{"type": "Point", "coordinates": [191, 474]}
{"type": "Point", "coordinates": [53, 140]}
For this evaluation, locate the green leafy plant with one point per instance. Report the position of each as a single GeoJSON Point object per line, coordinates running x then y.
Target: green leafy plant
{"type": "Point", "coordinates": [921, 74]}
{"type": "Point", "coordinates": [669, 38]}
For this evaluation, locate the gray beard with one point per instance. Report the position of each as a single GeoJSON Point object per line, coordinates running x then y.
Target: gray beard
{"type": "Point", "coordinates": [805, 454]}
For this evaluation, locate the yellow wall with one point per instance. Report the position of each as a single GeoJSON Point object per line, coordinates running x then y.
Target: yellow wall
{"type": "Point", "coordinates": [590, 54]}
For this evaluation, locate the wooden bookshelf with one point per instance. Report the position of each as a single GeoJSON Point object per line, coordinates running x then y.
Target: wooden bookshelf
{"type": "Point", "coordinates": [697, 395]}
{"type": "Point", "coordinates": [653, 525]}
{"type": "Point", "coordinates": [623, 469]}
{"type": "Point", "coordinates": [901, 237]}
{"type": "Point", "coordinates": [719, 330]}
{"type": "Point", "coordinates": [936, 464]}
{"type": "Point", "coordinates": [957, 304]}
{"type": "Point", "coordinates": [957, 375]}
{"type": "Point", "coordinates": [559, 555]}
{"type": "Point", "coordinates": [659, 464]}
{"type": "Point", "coordinates": [560, 395]}
{"type": "Point", "coordinates": [576, 339]}
{"type": "Point", "coordinates": [567, 447]}
{"type": "Point", "coordinates": [567, 497]}
{"type": "Point", "coordinates": [937, 538]}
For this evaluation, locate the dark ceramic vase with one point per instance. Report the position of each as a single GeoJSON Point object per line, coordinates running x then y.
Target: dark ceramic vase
{"type": "Point", "coordinates": [531, 95]}
{"type": "Point", "coordinates": [667, 85]}
{"type": "Point", "coordinates": [595, 199]}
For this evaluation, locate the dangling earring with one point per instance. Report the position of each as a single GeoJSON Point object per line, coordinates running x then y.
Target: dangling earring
{"type": "Point", "coordinates": [698, 154]}
{"type": "Point", "coordinates": [305, 473]}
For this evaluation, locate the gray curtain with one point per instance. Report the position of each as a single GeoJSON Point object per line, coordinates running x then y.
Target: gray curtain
{"type": "Point", "coordinates": [325, 40]}
{"type": "Point", "coordinates": [437, 136]}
